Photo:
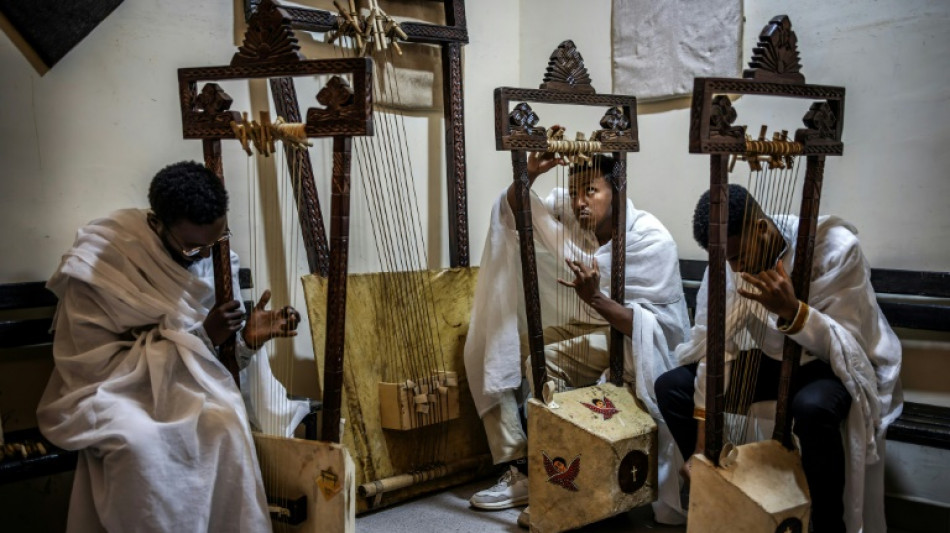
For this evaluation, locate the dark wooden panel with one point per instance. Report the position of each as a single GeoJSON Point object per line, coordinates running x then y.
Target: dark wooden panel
{"type": "Point", "coordinates": [56, 459]}
{"type": "Point", "coordinates": [922, 424]}
{"type": "Point", "coordinates": [936, 284]}
{"type": "Point", "coordinates": [17, 333]}
{"type": "Point", "coordinates": [917, 315]}
{"type": "Point", "coordinates": [26, 295]}
{"type": "Point", "coordinates": [53, 27]}
{"type": "Point", "coordinates": [692, 269]}
{"type": "Point", "coordinates": [244, 278]}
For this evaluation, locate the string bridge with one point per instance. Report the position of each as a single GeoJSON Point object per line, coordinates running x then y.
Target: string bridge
{"type": "Point", "coordinates": [412, 404]}
{"type": "Point", "coordinates": [263, 135]}
{"type": "Point", "coordinates": [577, 151]}
{"type": "Point", "coordinates": [376, 28]}
{"type": "Point", "coordinates": [778, 152]}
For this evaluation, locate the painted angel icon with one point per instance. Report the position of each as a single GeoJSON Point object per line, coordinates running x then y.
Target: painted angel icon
{"type": "Point", "coordinates": [602, 406]}
{"type": "Point", "coordinates": [560, 473]}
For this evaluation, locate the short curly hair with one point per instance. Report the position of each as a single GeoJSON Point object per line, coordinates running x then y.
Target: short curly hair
{"type": "Point", "coordinates": [187, 191]}
{"type": "Point", "coordinates": [739, 200]}
{"type": "Point", "coordinates": [607, 165]}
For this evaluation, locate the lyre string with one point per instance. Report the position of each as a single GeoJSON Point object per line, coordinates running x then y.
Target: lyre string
{"type": "Point", "coordinates": [775, 191]}
{"type": "Point", "coordinates": [386, 170]}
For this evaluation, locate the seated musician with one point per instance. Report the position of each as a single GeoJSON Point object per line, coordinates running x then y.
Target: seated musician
{"type": "Point", "coordinates": [654, 319]}
{"type": "Point", "coordinates": [849, 367]}
{"type": "Point", "coordinates": [164, 439]}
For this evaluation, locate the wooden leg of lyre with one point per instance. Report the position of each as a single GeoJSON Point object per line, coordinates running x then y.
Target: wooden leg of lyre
{"type": "Point", "coordinates": [221, 256]}
{"type": "Point", "coordinates": [716, 339]}
{"type": "Point", "coordinates": [618, 261]}
{"type": "Point", "coordinates": [529, 269]}
{"type": "Point", "coordinates": [336, 297]}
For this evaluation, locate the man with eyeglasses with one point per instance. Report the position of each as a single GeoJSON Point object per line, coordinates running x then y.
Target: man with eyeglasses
{"type": "Point", "coordinates": [164, 439]}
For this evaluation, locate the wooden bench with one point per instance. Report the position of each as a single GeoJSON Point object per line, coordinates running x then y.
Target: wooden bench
{"type": "Point", "coordinates": [909, 300]}
{"type": "Point", "coordinates": [26, 311]}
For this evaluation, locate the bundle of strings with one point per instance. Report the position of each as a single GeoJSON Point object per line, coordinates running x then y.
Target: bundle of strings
{"type": "Point", "coordinates": [775, 188]}
{"type": "Point", "coordinates": [409, 336]}
{"type": "Point", "coordinates": [273, 210]}
{"type": "Point", "coordinates": [575, 320]}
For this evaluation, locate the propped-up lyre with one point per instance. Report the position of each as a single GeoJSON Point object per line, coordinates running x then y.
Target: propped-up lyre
{"type": "Point", "coordinates": [409, 426]}
{"type": "Point", "coordinates": [761, 484]}
{"type": "Point", "coordinates": [320, 470]}
{"type": "Point", "coordinates": [612, 458]}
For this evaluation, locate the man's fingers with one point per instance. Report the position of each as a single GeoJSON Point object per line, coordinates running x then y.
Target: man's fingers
{"type": "Point", "coordinates": [753, 280]}
{"type": "Point", "coordinates": [565, 283]}
{"type": "Point", "coordinates": [780, 268]}
{"type": "Point", "coordinates": [749, 294]}
{"type": "Point", "coordinates": [262, 303]}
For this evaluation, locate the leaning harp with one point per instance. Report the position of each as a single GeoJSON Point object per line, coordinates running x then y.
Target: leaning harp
{"type": "Point", "coordinates": [309, 483]}
{"type": "Point", "coordinates": [726, 472]}
{"type": "Point", "coordinates": [614, 456]}
{"type": "Point", "coordinates": [409, 421]}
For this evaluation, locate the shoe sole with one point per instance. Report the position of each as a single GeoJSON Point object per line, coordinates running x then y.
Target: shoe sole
{"type": "Point", "coordinates": [494, 506]}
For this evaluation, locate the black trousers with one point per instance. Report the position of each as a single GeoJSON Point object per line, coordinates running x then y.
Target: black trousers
{"type": "Point", "coordinates": [818, 405]}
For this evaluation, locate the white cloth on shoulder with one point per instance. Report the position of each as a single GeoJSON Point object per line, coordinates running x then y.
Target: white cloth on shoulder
{"type": "Point", "coordinates": [164, 440]}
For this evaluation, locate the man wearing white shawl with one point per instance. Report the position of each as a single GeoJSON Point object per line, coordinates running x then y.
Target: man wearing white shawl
{"type": "Point", "coordinates": [849, 371]}
{"type": "Point", "coordinates": [575, 225]}
{"type": "Point", "coordinates": [164, 439]}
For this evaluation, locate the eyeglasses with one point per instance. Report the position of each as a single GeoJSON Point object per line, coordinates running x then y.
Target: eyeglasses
{"type": "Point", "coordinates": [192, 252]}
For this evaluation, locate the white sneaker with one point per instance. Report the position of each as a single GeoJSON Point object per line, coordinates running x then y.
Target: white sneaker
{"type": "Point", "coordinates": [510, 491]}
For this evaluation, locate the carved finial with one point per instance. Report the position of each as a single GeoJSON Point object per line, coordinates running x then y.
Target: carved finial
{"type": "Point", "coordinates": [336, 94]}
{"type": "Point", "coordinates": [566, 71]}
{"type": "Point", "coordinates": [615, 120]}
{"type": "Point", "coordinates": [821, 117]}
{"type": "Point", "coordinates": [523, 117]}
{"type": "Point", "coordinates": [212, 105]}
{"type": "Point", "coordinates": [213, 99]}
{"type": "Point", "coordinates": [776, 56]}
{"type": "Point", "coordinates": [269, 37]}
{"type": "Point", "coordinates": [337, 97]}
{"type": "Point", "coordinates": [721, 117]}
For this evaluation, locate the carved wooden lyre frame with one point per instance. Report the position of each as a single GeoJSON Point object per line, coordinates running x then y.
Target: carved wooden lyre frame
{"type": "Point", "coordinates": [270, 51]}
{"type": "Point", "coordinates": [515, 131]}
{"type": "Point", "coordinates": [450, 37]}
{"type": "Point", "coordinates": [774, 72]}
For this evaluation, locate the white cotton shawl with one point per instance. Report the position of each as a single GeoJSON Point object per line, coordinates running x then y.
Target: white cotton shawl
{"type": "Point", "coordinates": [846, 328]}
{"type": "Point", "coordinates": [164, 439]}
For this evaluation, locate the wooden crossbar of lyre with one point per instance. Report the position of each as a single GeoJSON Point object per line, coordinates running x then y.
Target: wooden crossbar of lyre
{"type": "Point", "coordinates": [450, 37]}
{"type": "Point", "coordinates": [566, 82]}
{"type": "Point", "coordinates": [774, 72]}
{"type": "Point", "coordinates": [206, 116]}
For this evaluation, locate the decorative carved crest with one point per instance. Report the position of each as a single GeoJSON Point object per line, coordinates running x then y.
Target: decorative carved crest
{"type": "Point", "coordinates": [337, 96]}
{"type": "Point", "coordinates": [269, 37]}
{"type": "Point", "coordinates": [615, 120]}
{"type": "Point", "coordinates": [820, 117]}
{"type": "Point", "coordinates": [822, 123]}
{"type": "Point", "coordinates": [721, 117]}
{"type": "Point", "coordinates": [212, 105]}
{"type": "Point", "coordinates": [566, 71]}
{"type": "Point", "coordinates": [776, 56]}
{"type": "Point", "coordinates": [523, 120]}
{"type": "Point", "coordinates": [616, 126]}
